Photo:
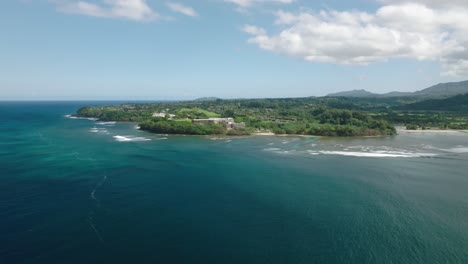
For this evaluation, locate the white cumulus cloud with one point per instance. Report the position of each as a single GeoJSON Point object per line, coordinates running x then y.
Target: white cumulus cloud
{"type": "Point", "coordinates": [248, 3]}
{"type": "Point", "coordinates": [401, 30]}
{"type": "Point", "coordinates": [428, 2]}
{"type": "Point", "coordinates": [137, 10]}
{"type": "Point", "coordinates": [183, 9]}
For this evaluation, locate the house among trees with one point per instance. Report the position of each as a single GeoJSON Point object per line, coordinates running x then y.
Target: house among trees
{"type": "Point", "coordinates": [163, 114]}
{"type": "Point", "coordinates": [228, 123]}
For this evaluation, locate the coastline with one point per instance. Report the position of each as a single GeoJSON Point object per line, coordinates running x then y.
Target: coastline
{"type": "Point", "coordinates": [449, 131]}
{"type": "Point", "coordinates": [399, 130]}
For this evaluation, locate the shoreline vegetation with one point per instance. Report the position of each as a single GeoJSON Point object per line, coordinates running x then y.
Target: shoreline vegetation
{"type": "Point", "coordinates": [311, 116]}
{"type": "Point", "coordinates": [244, 117]}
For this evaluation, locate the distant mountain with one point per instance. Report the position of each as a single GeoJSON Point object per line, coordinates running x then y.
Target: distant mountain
{"type": "Point", "coordinates": [354, 93]}
{"type": "Point", "coordinates": [441, 90]}
{"type": "Point", "coordinates": [454, 103]}
{"type": "Point", "coordinates": [444, 90]}
{"type": "Point", "coordinates": [207, 99]}
{"type": "Point", "coordinates": [396, 94]}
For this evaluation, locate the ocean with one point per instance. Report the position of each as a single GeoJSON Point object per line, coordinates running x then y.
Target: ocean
{"type": "Point", "coordinates": [83, 191]}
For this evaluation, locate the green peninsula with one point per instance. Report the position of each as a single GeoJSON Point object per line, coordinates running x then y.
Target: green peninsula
{"type": "Point", "coordinates": [300, 116]}
{"type": "Point", "coordinates": [345, 114]}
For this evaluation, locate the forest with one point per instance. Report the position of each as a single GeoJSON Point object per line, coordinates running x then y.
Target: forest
{"type": "Point", "coordinates": [323, 116]}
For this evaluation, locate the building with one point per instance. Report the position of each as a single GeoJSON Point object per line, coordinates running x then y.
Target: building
{"type": "Point", "coordinates": [228, 123]}
{"type": "Point", "coordinates": [163, 115]}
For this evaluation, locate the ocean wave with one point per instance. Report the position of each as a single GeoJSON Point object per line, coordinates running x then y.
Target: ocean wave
{"type": "Point", "coordinates": [98, 130]}
{"type": "Point", "coordinates": [457, 149]}
{"type": "Point", "coordinates": [76, 117]}
{"type": "Point", "coordinates": [460, 149]}
{"type": "Point", "coordinates": [130, 138]}
{"type": "Point", "coordinates": [218, 138]}
{"type": "Point", "coordinates": [272, 149]}
{"type": "Point", "coordinates": [378, 154]}
{"type": "Point", "coordinates": [106, 123]}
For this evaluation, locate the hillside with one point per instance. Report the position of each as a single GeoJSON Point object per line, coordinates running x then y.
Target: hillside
{"type": "Point", "coordinates": [455, 103]}
{"type": "Point", "coordinates": [206, 99]}
{"type": "Point", "coordinates": [439, 91]}
{"type": "Point", "coordinates": [354, 93]}
{"type": "Point", "coordinates": [442, 90]}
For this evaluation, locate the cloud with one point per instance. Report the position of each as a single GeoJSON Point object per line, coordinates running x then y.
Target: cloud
{"type": "Point", "coordinates": [137, 10]}
{"type": "Point", "coordinates": [180, 8]}
{"type": "Point", "coordinates": [248, 3]}
{"type": "Point", "coordinates": [253, 30]}
{"type": "Point", "coordinates": [407, 30]}
{"type": "Point", "coordinates": [428, 2]}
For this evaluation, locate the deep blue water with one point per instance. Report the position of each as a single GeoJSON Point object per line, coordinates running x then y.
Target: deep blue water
{"type": "Point", "coordinates": [83, 191]}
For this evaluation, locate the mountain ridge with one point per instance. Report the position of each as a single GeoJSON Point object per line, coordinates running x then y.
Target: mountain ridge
{"type": "Point", "coordinates": [440, 90]}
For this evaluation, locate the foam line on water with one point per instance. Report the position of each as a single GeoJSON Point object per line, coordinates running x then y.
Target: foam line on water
{"type": "Point", "coordinates": [98, 130]}
{"type": "Point", "coordinates": [96, 231]}
{"type": "Point", "coordinates": [130, 138]}
{"type": "Point", "coordinates": [106, 123]}
{"type": "Point", "coordinates": [378, 154]}
{"type": "Point", "coordinates": [93, 192]}
{"type": "Point", "coordinates": [272, 149]}
{"type": "Point", "coordinates": [76, 117]}
{"type": "Point", "coordinates": [458, 149]}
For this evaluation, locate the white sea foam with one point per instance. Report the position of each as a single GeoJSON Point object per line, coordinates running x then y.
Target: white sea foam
{"type": "Point", "coordinates": [106, 123]}
{"type": "Point", "coordinates": [458, 149]}
{"type": "Point", "coordinates": [98, 130]}
{"type": "Point", "coordinates": [96, 231]}
{"type": "Point", "coordinates": [76, 117]}
{"type": "Point", "coordinates": [93, 192]}
{"type": "Point", "coordinates": [272, 149]}
{"type": "Point", "coordinates": [130, 139]}
{"type": "Point", "coordinates": [378, 154]}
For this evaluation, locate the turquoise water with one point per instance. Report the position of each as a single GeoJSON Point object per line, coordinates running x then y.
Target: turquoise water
{"type": "Point", "coordinates": [81, 191]}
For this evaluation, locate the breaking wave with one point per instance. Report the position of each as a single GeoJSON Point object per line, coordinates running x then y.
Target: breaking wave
{"type": "Point", "coordinates": [272, 149]}
{"type": "Point", "coordinates": [76, 117]}
{"type": "Point", "coordinates": [458, 149]}
{"type": "Point", "coordinates": [106, 123]}
{"type": "Point", "coordinates": [357, 151]}
{"type": "Point", "coordinates": [98, 130]}
{"type": "Point", "coordinates": [130, 139]}
{"type": "Point", "coordinates": [376, 154]}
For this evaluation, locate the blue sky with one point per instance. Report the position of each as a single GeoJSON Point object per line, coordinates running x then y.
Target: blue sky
{"type": "Point", "coordinates": [137, 49]}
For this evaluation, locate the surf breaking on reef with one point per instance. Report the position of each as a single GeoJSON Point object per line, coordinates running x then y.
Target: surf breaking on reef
{"type": "Point", "coordinates": [130, 138]}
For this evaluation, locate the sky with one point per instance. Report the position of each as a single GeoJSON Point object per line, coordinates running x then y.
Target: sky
{"type": "Point", "coordinates": [171, 50]}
